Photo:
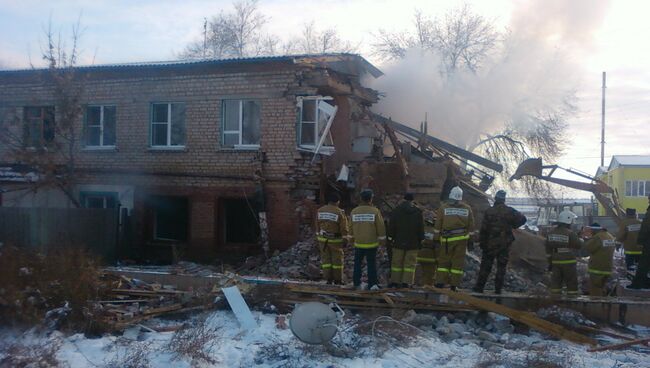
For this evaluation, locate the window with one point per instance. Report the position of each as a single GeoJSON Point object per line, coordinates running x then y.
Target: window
{"type": "Point", "coordinates": [637, 188]}
{"type": "Point", "coordinates": [240, 222]}
{"type": "Point", "coordinates": [241, 123]}
{"type": "Point", "coordinates": [315, 120]}
{"type": "Point", "coordinates": [100, 126]}
{"type": "Point", "coordinates": [99, 199]}
{"type": "Point", "coordinates": [170, 217]}
{"type": "Point", "coordinates": [167, 125]}
{"type": "Point", "coordinates": [39, 128]}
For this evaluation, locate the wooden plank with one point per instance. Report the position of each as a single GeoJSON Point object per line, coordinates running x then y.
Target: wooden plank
{"type": "Point", "coordinates": [372, 296]}
{"type": "Point", "coordinates": [363, 304]}
{"type": "Point", "coordinates": [603, 332]}
{"type": "Point", "coordinates": [622, 345]}
{"type": "Point", "coordinates": [146, 292]}
{"type": "Point", "coordinates": [519, 316]}
{"type": "Point", "coordinates": [161, 310]}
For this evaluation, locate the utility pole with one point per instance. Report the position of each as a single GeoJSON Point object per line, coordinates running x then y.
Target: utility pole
{"type": "Point", "coordinates": [602, 125]}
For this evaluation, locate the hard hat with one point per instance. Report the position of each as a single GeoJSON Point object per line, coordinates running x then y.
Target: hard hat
{"type": "Point", "coordinates": [456, 194]}
{"type": "Point", "coordinates": [500, 195]}
{"type": "Point", "coordinates": [566, 217]}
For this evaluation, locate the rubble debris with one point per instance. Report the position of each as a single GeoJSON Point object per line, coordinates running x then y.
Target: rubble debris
{"type": "Point", "coordinates": [132, 301]}
{"type": "Point", "coordinates": [519, 316]}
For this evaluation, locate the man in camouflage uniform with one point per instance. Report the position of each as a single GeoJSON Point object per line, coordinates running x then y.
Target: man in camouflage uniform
{"type": "Point", "coordinates": [628, 233]}
{"type": "Point", "coordinates": [368, 231]}
{"type": "Point", "coordinates": [601, 248]}
{"type": "Point", "coordinates": [331, 232]}
{"type": "Point", "coordinates": [427, 254]}
{"type": "Point", "coordinates": [562, 246]}
{"type": "Point", "coordinates": [495, 239]}
{"type": "Point", "coordinates": [454, 224]}
{"type": "Point", "coordinates": [406, 230]}
{"type": "Point", "coordinates": [641, 279]}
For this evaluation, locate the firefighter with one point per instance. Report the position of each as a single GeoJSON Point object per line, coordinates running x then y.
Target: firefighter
{"type": "Point", "coordinates": [562, 246]}
{"type": "Point", "coordinates": [628, 232]}
{"type": "Point", "coordinates": [427, 254]}
{"type": "Point", "coordinates": [368, 231]}
{"type": "Point", "coordinates": [406, 230]}
{"type": "Point", "coordinates": [641, 279]}
{"type": "Point", "coordinates": [601, 248]}
{"type": "Point", "coordinates": [452, 229]}
{"type": "Point", "coordinates": [495, 238]}
{"type": "Point", "coordinates": [332, 232]}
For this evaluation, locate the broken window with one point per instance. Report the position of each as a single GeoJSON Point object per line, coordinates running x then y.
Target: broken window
{"type": "Point", "coordinates": [241, 123]}
{"type": "Point", "coordinates": [39, 128]}
{"type": "Point", "coordinates": [99, 199]}
{"type": "Point", "coordinates": [100, 126]}
{"type": "Point", "coordinates": [315, 119]}
{"type": "Point", "coordinates": [167, 125]}
{"type": "Point", "coordinates": [170, 217]}
{"type": "Point", "coordinates": [240, 222]}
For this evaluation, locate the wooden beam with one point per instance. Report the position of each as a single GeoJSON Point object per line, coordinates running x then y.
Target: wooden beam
{"type": "Point", "coordinates": [398, 153]}
{"type": "Point", "coordinates": [365, 304]}
{"type": "Point", "coordinates": [626, 344]}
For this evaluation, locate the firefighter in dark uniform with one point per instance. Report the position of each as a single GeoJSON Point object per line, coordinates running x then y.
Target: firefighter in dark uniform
{"type": "Point", "coordinates": [495, 238]}
{"type": "Point", "coordinates": [641, 279]}
{"type": "Point", "coordinates": [628, 234]}
{"type": "Point", "coordinates": [406, 230]}
{"type": "Point", "coordinates": [601, 248]}
{"type": "Point", "coordinates": [562, 246]}
{"type": "Point", "coordinates": [331, 233]}
{"type": "Point", "coordinates": [453, 228]}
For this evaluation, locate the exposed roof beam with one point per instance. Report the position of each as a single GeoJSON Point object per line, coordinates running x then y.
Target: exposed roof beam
{"type": "Point", "coordinates": [470, 156]}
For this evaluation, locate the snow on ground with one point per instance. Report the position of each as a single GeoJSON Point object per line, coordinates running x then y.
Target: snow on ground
{"type": "Point", "coordinates": [269, 346]}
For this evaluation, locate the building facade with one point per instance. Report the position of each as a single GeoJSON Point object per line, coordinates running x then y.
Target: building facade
{"type": "Point", "coordinates": [629, 175]}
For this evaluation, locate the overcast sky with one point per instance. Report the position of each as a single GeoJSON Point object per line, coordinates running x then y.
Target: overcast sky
{"type": "Point", "coordinates": [126, 31]}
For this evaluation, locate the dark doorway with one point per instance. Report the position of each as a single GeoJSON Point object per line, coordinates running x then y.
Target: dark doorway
{"type": "Point", "coordinates": [239, 222]}
{"type": "Point", "coordinates": [170, 218]}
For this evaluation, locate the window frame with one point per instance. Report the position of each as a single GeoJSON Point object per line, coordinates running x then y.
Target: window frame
{"type": "Point", "coordinates": [84, 195]}
{"type": "Point", "coordinates": [317, 137]}
{"type": "Point", "coordinates": [240, 131]}
{"type": "Point", "coordinates": [637, 188]}
{"type": "Point", "coordinates": [101, 127]}
{"type": "Point", "coordinates": [27, 126]}
{"type": "Point", "coordinates": [169, 145]}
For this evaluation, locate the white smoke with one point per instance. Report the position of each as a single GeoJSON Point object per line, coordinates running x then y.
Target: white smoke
{"type": "Point", "coordinates": [535, 70]}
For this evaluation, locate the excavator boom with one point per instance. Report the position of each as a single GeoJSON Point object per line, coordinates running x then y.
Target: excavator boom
{"type": "Point", "coordinates": [534, 167]}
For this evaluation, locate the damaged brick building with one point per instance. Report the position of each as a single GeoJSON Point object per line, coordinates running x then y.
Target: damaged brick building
{"type": "Point", "coordinates": [219, 156]}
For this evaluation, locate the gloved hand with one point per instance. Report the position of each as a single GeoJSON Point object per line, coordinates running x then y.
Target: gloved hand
{"type": "Point", "coordinates": [550, 267]}
{"type": "Point", "coordinates": [618, 246]}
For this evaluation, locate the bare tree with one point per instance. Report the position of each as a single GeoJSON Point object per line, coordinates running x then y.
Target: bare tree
{"type": "Point", "coordinates": [314, 41]}
{"type": "Point", "coordinates": [233, 34]}
{"type": "Point", "coordinates": [240, 33]}
{"type": "Point", "coordinates": [462, 38]}
{"type": "Point", "coordinates": [47, 144]}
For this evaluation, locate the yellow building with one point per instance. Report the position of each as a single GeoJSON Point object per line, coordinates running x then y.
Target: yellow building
{"type": "Point", "coordinates": [630, 176]}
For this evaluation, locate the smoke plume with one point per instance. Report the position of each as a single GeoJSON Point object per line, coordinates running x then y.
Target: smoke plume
{"type": "Point", "coordinates": [534, 70]}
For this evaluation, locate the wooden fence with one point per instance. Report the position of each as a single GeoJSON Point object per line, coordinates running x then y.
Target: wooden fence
{"type": "Point", "coordinates": [44, 228]}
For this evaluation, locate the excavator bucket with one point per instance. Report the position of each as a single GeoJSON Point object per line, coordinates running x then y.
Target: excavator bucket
{"type": "Point", "coordinates": [531, 166]}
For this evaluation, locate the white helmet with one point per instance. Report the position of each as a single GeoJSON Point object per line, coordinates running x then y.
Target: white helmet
{"type": "Point", "coordinates": [456, 194]}
{"type": "Point", "coordinates": [566, 217]}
